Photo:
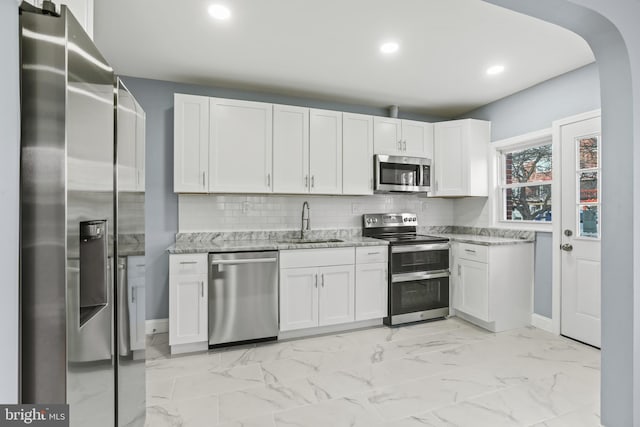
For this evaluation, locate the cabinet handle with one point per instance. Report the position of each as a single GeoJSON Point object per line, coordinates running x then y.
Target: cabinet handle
{"type": "Point", "coordinates": [459, 270]}
{"type": "Point", "coordinates": [268, 180]}
{"type": "Point", "coordinates": [188, 262]}
{"type": "Point", "coordinates": [471, 251]}
{"type": "Point", "coordinates": [404, 145]}
{"type": "Point", "coordinates": [306, 181]}
{"type": "Point", "coordinates": [133, 296]}
{"type": "Point", "coordinates": [202, 289]}
{"type": "Point", "coordinates": [373, 253]}
{"type": "Point", "coordinates": [313, 181]}
{"type": "Point", "coordinates": [399, 143]}
{"type": "Point", "coordinates": [203, 180]}
{"type": "Point", "coordinates": [316, 276]}
{"type": "Point", "coordinates": [323, 280]}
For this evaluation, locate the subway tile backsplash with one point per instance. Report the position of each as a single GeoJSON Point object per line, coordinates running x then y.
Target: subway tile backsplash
{"type": "Point", "coordinates": [211, 212]}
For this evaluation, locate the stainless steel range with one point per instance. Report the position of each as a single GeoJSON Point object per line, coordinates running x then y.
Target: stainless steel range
{"type": "Point", "coordinates": [418, 268]}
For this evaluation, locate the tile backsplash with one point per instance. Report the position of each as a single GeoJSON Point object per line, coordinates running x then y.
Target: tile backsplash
{"type": "Point", "coordinates": [213, 212]}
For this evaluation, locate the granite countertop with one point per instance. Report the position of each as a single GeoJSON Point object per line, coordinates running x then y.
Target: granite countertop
{"type": "Point", "coordinates": [205, 246]}
{"type": "Point", "coordinates": [484, 240]}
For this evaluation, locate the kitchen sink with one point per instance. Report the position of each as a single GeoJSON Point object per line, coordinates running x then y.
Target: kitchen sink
{"type": "Point", "coordinates": [308, 241]}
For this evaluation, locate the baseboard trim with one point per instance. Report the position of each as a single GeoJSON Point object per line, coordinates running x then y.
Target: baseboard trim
{"type": "Point", "coordinates": [542, 322]}
{"type": "Point", "coordinates": [331, 329]}
{"type": "Point", "coordinates": [157, 326]}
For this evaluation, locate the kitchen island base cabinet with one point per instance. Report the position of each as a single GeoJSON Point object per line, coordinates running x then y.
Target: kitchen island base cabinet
{"type": "Point", "coordinates": [493, 285]}
{"type": "Point", "coordinates": [188, 311]}
{"type": "Point", "coordinates": [317, 287]}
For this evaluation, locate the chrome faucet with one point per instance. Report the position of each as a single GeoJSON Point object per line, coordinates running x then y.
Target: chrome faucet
{"type": "Point", "coordinates": [308, 219]}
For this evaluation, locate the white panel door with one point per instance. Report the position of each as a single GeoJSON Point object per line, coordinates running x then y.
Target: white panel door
{"type": "Point", "coordinates": [337, 295]}
{"type": "Point", "coordinates": [371, 291]}
{"type": "Point", "coordinates": [187, 309]}
{"type": "Point", "coordinates": [357, 154]}
{"type": "Point", "coordinates": [290, 149]}
{"type": "Point", "coordinates": [450, 159]}
{"type": "Point", "coordinates": [298, 298]}
{"type": "Point", "coordinates": [581, 233]}
{"type": "Point", "coordinates": [417, 139]}
{"type": "Point", "coordinates": [387, 136]}
{"type": "Point", "coordinates": [473, 288]}
{"type": "Point", "coordinates": [241, 146]}
{"type": "Point", "coordinates": [325, 151]}
{"type": "Point", "coordinates": [190, 144]}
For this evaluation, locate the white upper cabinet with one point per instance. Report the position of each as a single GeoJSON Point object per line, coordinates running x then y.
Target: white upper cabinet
{"type": "Point", "coordinates": [191, 144]}
{"type": "Point", "coordinates": [398, 137]}
{"type": "Point", "coordinates": [325, 151]}
{"type": "Point", "coordinates": [240, 146]}
{"type": "Point", "coordinates": [357, 154]}
{"type": "Point", "coordinates": [290, 149]}
{"type": "Point", "coordinates": [460, 158]}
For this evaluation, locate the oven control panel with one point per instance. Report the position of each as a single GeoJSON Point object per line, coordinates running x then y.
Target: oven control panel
{"type": "Point", "coordinates": [389, 220]}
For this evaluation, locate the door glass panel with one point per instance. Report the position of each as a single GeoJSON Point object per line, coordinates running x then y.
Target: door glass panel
{"type": "Point", "coordinates": [588, 152]}
{"type": "Point", "coordinates": [588, 187]}
{"type": "Point", "coordinates": [589, 223]}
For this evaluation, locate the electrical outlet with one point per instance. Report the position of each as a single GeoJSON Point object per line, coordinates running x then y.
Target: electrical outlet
{"type": "Point", "coordinates": [246, 206]}
{"type": "Point", "coordinates": [356, 208]}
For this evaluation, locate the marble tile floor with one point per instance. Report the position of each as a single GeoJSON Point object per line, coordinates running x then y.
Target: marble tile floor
{"type": "Point", "coordinates": [442, 373]}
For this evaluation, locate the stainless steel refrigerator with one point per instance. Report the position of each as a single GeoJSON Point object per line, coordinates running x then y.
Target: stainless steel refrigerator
{"type": "Point", "coordinates": [82, 228]}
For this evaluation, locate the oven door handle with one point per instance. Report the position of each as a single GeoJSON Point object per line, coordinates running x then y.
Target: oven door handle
{"type": "Point", "coordinates": [419, 248]}
{"type": "Point", "coordinates": [411, 277]}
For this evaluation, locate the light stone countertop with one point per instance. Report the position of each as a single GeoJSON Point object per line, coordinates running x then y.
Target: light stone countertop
{"type": "Point", "coordinates": [483, 240]}
{"type": "Point", "coordinates": [189, 247]}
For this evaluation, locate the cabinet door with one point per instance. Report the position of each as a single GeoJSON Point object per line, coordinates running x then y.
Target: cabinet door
{"type": "Point", "coordinates": [141, 141]}
{"type": "Point", "coordinates": [241, 146]}
{"type": "Point", "coordinates": [190, 144]}
{"type": "Point", "coordinates": [290, 149]}
{"type": "Point", "coordinates": [325, 151]}
{"type": "Point", "coordinates": [337, 295]}
{"type": "Point", "coordinates": [450, 164]}
{"type": "Point", "coordinates": [417, 139]}
{"type": "Point", "coordinates": [137, 313]}
{"type": "Point", "coordinates": [357, 154]}
{"type": "Point", "coordinates": [473, 288]}
{"type": "Point", "coordinates": [298, 298]}
{"type": "Point", "coordinates": [371, 291]}
{"type": "Point", "coordinates": [187, 309]}
{"type": "Point", "coordinates": [387, 136]}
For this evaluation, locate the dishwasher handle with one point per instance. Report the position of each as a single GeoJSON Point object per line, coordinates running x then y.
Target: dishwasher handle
{"type": "Point", "coordinates": [242, 261]}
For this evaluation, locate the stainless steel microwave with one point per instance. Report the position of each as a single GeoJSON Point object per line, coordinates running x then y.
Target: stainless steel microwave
{"type": "Point", "coordinates": [402, 174]}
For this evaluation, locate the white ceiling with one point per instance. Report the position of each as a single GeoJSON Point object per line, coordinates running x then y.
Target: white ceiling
{"type": "Point", "coordinates": [329, 49]}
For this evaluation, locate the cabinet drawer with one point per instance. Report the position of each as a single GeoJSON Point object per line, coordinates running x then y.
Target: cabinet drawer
{"type": "Point", "coordinates": [188, 264]}
{"type": "Point", "coordinates": [478, 253]}
{"type": "Point", "coordinates": [135, 266]}
{"type": "Point", "coordinates": [371, 254]}
{"type": "Point", "coordinates": [298, 258]}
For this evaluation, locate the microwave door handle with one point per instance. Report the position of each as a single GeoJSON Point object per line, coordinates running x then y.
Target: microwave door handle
{"type": "Point", "coordinates": [420, 176]}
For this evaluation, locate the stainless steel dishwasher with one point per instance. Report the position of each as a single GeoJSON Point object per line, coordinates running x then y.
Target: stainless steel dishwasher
{"type": "Point", "coordinates": [243, 297]}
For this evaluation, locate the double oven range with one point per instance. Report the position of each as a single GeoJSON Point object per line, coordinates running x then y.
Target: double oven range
{"type": "Point", "coordinates": [418, 268]}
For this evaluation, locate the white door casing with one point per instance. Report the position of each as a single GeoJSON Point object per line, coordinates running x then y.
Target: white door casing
{"type": "Point", "coordinates": [579, 231]}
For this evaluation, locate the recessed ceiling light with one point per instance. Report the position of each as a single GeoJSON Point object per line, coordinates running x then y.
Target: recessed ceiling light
{"type": "Point", "coordinates": [389, 47]}
{"type": "Point", "coordinates": [495, 69]}
{"type": "Point", "coordinates": [219, 11]}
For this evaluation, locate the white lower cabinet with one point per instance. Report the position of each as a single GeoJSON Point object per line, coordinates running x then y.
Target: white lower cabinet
{"type": "Point", "coordinates": [136, 301]}
{"type": "Point", "coordinates": [188, 315]}
{"type": "Point", "coordinates": [371, 282]}
{"type": "Point", "coordinates": [492, 286]}
{"type": "Point", "coordinates": [317, 287]}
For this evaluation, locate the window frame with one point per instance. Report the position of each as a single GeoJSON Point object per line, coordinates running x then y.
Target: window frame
{"type": "Point", "coordinates": [496, 156]}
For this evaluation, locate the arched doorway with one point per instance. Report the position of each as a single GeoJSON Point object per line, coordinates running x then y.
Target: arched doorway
{"type": "Point", "coordinates": [620, 383]}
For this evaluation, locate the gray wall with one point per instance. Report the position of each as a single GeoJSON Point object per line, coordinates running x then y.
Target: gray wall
{"type": "Point", "coordinates": [9, 194]}
{"type": "Point", "coordinates": [533, 109]}
{"type": "Point", "coordinates": [156, 97]}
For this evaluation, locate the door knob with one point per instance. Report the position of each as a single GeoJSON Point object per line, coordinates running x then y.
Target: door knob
{"type": "Point", "coordinates": [567, 247]}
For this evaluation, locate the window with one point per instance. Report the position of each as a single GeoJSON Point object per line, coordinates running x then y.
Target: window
{"type": "Point", "coordinates": [524, 176]}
